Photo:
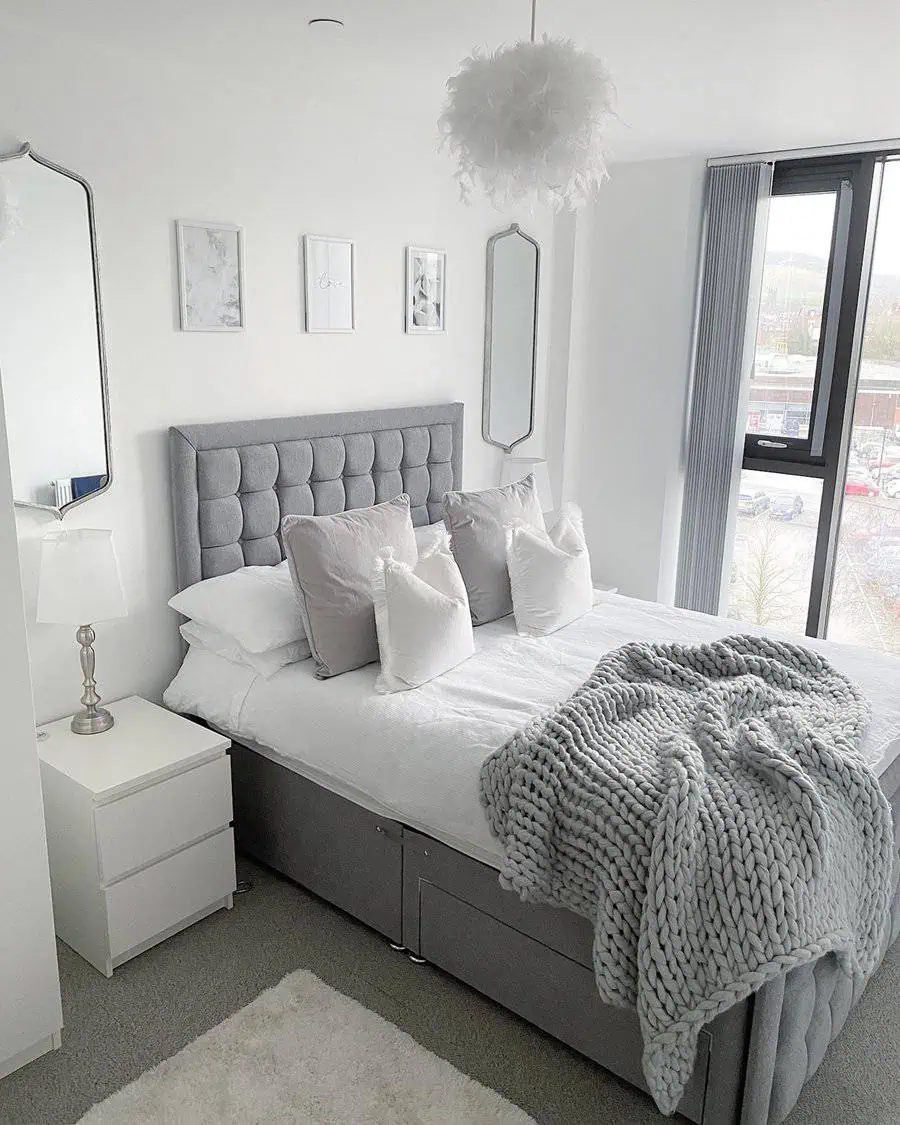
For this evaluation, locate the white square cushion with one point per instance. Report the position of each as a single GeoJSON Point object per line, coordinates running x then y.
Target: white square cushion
{"type": "Point", "coordinates": [422, 617]}
{"type": "Point", "coordinates": [265, 664]}
{"type": "Point", "coordinates": [549, 573]}
{"type": "Point", "coordinates": [427, 535]}
{"type": "Point", "coordinates": [255, 605]}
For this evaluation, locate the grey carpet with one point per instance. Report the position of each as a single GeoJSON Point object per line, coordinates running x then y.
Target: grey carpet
{"type": "Point", "coordinates": [154, 1005]}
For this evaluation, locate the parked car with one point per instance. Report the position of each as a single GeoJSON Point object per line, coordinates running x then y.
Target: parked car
{"type": "Point", "coordinates": [891, 487]}
{"type": "Point", "coordinates": [752, 503]}
{"type": "Point", "coordinates": [859, 485]}
{"type": "Point", "coordinates": [784, 506]}
{"type": "Point", "coordinates": [884, 458]}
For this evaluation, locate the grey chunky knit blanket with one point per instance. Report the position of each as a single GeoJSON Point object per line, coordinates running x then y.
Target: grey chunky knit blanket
{"type": "Point", "coordinates": [707, 809]}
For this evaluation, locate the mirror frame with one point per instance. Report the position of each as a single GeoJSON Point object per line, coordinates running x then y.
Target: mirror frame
{"type": "Point", "coordinates": [512, 229]}
{"type": "Point", "coordinates": [23, 151]}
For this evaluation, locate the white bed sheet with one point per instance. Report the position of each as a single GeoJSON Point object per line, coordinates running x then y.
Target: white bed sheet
{"type": "Point", "coordinates": [415, 756]}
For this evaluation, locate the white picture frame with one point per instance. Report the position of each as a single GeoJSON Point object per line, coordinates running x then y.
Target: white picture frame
{"type": "Point", "coordinates": [426, 290]}
{"type": "Point", "coordinates": [210, 276]}
{"type": "Point", "coordinates": [329, 272]}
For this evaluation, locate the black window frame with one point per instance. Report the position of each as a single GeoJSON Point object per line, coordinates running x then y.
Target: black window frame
{"type": "Point", "coordinates": [794, 456]}
{"type": "Point", "coordinates": [766, 451]}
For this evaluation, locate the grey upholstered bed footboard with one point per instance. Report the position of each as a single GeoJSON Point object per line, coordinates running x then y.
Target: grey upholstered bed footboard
{"type": "Point", "coordinates": [797, 1016]}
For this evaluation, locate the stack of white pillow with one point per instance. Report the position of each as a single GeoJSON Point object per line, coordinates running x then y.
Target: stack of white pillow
{"type": "Point", "coordinates": [249, 616]}
{"type": "Point", "coordinates": [496, 556]}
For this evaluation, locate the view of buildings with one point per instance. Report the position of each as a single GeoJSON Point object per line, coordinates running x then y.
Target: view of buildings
{"type": "Point", "coordinates": [778, 515]}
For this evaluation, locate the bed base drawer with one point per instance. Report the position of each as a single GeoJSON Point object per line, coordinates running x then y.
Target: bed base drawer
{"type": "Point", "coordinates": [544, 987]}
{"type": "Point", "coordinates": [331, 846]}
{"type": "Point", "coordinates": [477, 884]}
{"type": "Point", "coordinates": [536, 961]}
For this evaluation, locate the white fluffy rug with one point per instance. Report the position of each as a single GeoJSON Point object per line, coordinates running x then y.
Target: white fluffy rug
{"type": "Point", "coordinates": [303, 1054]}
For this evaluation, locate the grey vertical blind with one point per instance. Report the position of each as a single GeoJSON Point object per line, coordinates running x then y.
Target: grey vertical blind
{"type": "Point", "coordinates": [736, 211]}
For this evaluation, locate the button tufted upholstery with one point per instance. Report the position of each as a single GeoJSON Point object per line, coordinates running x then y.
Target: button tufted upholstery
{"type": "Point", "coordinates": [798, 1015]}
{"type": "Point", "coordinates": [233, 482]}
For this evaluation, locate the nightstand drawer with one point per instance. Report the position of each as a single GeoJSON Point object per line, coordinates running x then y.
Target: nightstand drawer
{"type": "Point", "coordinates": [159, 897]}
{"type": "Point", "coordinates": [158, 820]}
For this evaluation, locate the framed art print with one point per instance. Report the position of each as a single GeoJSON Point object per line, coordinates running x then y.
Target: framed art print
{"type": "Point", "coordinates": [329, 284]}
{"type": "Point", "coordinates": [210, 276]}
{"type": "Point", "coordinates": [426, 289]}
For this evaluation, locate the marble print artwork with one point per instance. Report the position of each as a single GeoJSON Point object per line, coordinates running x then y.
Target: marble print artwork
{"type": "Point", "coordinates": [212, 297]}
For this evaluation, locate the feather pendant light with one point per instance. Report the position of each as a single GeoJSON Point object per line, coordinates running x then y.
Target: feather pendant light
{"type": "Point", "coordinates": [526, 123]}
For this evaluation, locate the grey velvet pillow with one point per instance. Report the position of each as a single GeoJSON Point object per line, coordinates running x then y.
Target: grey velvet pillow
{"type": "Point", "coordinates": [332, 560]}
{"type": "Point", "coordinates": [477, 522]}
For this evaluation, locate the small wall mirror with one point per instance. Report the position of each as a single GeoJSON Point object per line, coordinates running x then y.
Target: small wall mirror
{"type": "Point", "coordinates": [52, 362]}
{"type": "Point", "coordinates": [510, 337]}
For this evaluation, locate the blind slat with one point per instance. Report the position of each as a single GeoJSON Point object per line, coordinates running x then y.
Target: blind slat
{"type": "Point", "coordinates": [723, 355]}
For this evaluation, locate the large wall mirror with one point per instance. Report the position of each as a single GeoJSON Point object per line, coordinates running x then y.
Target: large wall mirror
{"type": "Point", "coordinates": [510, 337]}
{"type": "Point", "coordinates": [52, 363]}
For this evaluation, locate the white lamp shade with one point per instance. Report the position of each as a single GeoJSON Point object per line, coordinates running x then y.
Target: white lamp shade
{"type": "Point", "coordinates": [79, 579]}
{"type": "Point", "coordinates": [517, 468]}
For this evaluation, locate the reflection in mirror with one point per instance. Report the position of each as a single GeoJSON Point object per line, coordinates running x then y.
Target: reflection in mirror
{"type": "Point", "coordinates": [510, 337]}
{"type": "Point", "coordinates": [52, 367]}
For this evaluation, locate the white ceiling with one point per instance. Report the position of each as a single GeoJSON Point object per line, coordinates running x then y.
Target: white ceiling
{"type": "Point", "coordinates": [707, 77]}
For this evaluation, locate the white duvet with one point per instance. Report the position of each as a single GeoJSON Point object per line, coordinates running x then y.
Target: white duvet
{"type": "Point", "coordinates": [416, 755]}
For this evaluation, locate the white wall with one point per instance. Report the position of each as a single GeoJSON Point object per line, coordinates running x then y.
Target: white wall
{"type": "Point", "coordinates": [634, 311]}
{"type": "Point", "coordinates": [322, 150]}
{"type": "Point", "coordinates": [29, 984]}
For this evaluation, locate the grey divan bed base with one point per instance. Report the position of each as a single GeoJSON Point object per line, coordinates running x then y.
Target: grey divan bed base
{"type": "Point", "coordinates": [231, 484]}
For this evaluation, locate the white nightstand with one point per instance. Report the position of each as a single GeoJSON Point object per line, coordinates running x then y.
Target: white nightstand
{"type": "Point", "coordinates": [138, 830]}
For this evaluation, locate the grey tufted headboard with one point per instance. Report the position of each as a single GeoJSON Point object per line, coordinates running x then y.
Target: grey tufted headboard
{"type": "Point", "coordinates": [233, 481]}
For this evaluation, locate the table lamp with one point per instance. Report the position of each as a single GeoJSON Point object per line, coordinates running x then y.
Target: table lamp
{"type": "Point", "coordinates": [79, 584]}
{"type": "Point", "coordinates": [517, 468]}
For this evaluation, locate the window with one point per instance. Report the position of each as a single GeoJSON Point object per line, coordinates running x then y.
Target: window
{"type": "Point", "coordinates": [791, 312]}
{"type": "Point", "coordinates": [816, 546]}
{"type": "Point", "coordinates": [774, 548]}
{"type": "Point", "coordinates": [865, 596]}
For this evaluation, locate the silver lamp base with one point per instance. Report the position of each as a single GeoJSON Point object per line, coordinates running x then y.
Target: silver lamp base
{"type": "Point", "coordinates": [94, 719]}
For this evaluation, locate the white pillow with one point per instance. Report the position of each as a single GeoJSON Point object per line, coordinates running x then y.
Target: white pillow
{"type": "Point", "coordinates": [549, 573]}
{"type": "Point", "coordinates": [421, 616]}
{"type": "Point", "coordinates": [427, 536]}
{"type": "Point", "coordinates": [255, 605]}
{"type": "Point", "coordinates": [266, 664]}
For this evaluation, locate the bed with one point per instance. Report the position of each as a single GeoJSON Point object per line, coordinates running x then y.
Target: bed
{"type": "Point", "coordinates": [372, 801]}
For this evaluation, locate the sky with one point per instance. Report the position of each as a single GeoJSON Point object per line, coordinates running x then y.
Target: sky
{"type": "Point", "coordinates": [803, 223]}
